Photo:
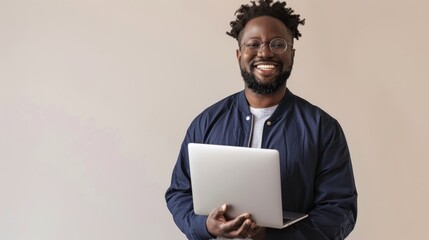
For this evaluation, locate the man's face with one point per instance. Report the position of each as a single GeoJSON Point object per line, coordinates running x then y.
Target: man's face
{"type": "Point", "coordinates": [265, 72]}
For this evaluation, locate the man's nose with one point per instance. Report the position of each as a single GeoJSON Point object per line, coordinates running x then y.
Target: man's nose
{"type": "Point", "coordinates": [265, 51]}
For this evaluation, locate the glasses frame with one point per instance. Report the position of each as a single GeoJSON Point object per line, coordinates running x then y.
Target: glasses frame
{"type": "Point", "coordinates": [261, 44]}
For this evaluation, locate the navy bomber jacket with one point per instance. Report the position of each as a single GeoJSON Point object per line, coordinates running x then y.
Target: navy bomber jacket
{"type": "Point", "coordinates": [316, 170]}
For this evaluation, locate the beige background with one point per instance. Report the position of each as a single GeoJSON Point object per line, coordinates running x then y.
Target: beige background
{"type": "Point", "coordinates": [95, 98]}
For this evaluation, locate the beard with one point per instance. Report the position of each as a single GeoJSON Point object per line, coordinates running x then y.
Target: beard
{"type": "Point", "coordinates": [264, 88]}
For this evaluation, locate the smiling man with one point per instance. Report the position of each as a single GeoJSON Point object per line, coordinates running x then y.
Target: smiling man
{"type": "Point", "coordinates": [316, 170]}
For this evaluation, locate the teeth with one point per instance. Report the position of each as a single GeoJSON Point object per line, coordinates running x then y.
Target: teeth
{"type": "Point", "coordinates": [265, 67]}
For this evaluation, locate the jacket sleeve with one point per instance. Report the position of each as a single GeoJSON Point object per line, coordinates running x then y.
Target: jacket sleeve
{"type": "Point", "coordinates": [334, 212]}
{"type": "Point", "coordinates": [179, 198]}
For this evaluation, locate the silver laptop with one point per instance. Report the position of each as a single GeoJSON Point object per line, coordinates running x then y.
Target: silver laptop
{"type": "Point", "coordinates": [247, 179]}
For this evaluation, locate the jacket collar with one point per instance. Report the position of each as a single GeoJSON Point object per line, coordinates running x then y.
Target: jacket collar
{"type": "Point", "coordinates": [283, 106]}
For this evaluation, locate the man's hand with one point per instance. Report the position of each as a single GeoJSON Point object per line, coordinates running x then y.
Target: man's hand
{"type": "Point", "coordinates": [240, 227]}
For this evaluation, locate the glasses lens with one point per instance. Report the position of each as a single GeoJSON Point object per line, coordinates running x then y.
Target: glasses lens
{"type": "Point", "coordinates": [278, 45]}
{"type": "Point", "coordinates": [252, 46]}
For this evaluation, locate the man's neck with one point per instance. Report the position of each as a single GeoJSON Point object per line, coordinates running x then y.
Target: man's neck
{"type": "Point", "coordinates": [263, 101]}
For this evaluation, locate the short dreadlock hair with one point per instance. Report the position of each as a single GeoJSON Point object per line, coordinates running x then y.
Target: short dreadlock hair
{"type": "Point", "coordinates": [265, 8]}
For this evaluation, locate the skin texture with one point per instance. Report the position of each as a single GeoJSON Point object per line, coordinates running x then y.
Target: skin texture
{"type": "Point", "coordinates": [264, 29]}
{"type": "Point", "coordinates": [239, 227]}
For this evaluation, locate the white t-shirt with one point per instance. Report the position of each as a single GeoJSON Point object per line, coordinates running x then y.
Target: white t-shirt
{"type": "Point", "coordinates": [260, 115]}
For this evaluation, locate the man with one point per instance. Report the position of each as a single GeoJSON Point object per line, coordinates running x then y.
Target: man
{"type": "Point", "coordinates": [316, 170]}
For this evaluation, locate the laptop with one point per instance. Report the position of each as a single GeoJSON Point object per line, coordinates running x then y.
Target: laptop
{"type": "Point", "coordinates": [247, 179]}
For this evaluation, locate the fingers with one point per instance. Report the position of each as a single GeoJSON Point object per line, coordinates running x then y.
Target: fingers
{"type": "Point", "coordinates": [236, 223]}
{"type": "Point", "coordinates": [245, 229]}
{"type": "Point", "coordinates": [215, 219]}
{"type": "Point", "coordinates": [239, 227]}
{"type": "Point", "coordinates": [218, 213]}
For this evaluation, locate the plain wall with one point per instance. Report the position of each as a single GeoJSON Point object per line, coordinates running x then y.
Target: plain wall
{"type": "Point", "coordinates": [96, 96]}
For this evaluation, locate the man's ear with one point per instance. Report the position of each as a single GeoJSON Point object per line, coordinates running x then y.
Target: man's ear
{"type": "Point", "coordinates": [238, 54]}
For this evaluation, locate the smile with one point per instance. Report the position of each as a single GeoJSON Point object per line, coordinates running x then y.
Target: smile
{"type": "Point", "coordinates": [265, 67]}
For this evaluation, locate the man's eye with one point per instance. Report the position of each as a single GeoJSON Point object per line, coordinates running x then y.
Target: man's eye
{"type": "Point", "coordinates": [253, 45]}
{"type": "Point", "coordinates": [278, 45]}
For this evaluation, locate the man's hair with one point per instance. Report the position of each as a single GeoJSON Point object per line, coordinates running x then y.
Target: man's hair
{"type": "Point", "coordinates": [265, 8]}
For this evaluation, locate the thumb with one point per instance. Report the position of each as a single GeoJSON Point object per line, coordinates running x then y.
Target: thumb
{"type": "Point", "coordinates": [219, 212]}
{"type": "Point", "coordinates": [215, 219]}
{"type": "Point", "coordinates": [224, 208]}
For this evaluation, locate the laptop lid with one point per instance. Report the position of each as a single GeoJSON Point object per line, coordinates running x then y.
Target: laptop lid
{"type": "Point", "coordinates": [247, 179]}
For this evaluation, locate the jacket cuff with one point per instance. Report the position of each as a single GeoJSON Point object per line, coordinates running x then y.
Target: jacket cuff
{"type": "Point", "coordinates": [201, 228]}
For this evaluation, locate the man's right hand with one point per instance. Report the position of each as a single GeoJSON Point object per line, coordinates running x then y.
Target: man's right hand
{"type": "Point", "coordinates": [240, 227]}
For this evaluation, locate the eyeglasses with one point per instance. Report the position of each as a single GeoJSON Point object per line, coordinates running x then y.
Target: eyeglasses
{"type": "Point", "coordinates": [277, 46]}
